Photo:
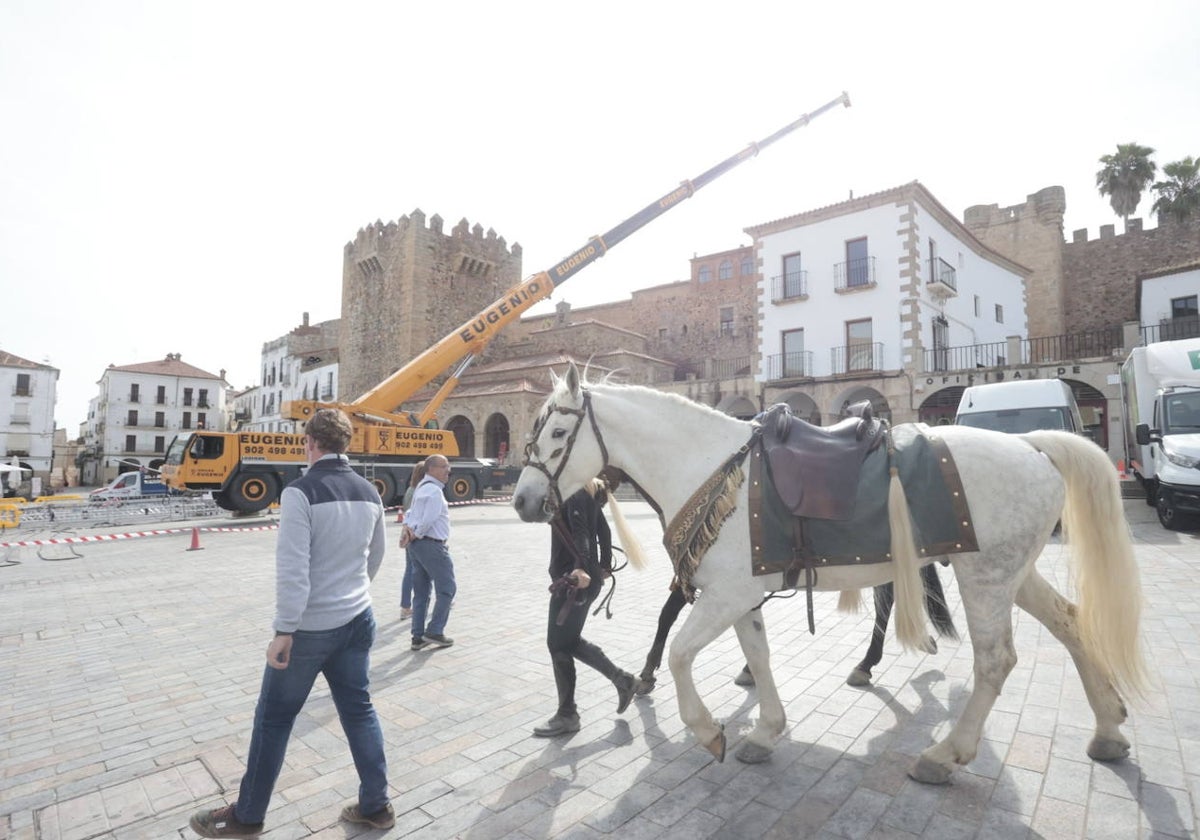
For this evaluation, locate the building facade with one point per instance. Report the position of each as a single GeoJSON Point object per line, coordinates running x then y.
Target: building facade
{"type": "Point", "coordinates": [299, 365]}
{"type": "Point", "coordinates": [27, 397]}
{"type": "Point", "coordinates": [140, 408]}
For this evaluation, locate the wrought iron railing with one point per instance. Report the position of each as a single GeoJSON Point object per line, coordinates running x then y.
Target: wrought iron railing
{"type": "Point", "coordinates": [789, 286]}
{"type": "Point", "coordinates": [967, 356]}
{"type": "Point", "coordinates": [730, 368]}
{"type": "Point", "coordinates": [1172, 329]}
{"type": "Point", "coordinates": [1084, 345]}
{"type": "Point", "coordinates": [945, 274]}
{"type": "Point", "coordinates": [856, 358]}
{"type": "Point", "coordinates": [790, 365]}
{"type": "Point", "coordinates": [854, 274]}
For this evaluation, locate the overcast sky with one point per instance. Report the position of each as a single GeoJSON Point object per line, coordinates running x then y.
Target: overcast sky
{"type": "Point", "coordinates": [182, 176]}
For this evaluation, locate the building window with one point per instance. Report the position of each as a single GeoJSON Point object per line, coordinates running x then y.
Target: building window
{"type": "Point", "coordinates": [747, 266]}
{"type": "Point", "coordinates": [131, 443]}
{"type": "Point", "coordinates": [933, 266]}
{"type": "Point", "coordinates": [134, 393]}
{"type": "Point", "coordinates": [203, 398]}
{"type": "Point", "coordinates": [858, 345]}
{"type": "Point", "coordinates": [705, 274]}
{"type": "Point", "coordinates": [941, 343]}
{"type": "Point", "coordinates": [22, 385]}
{"type": "Point", "coordinates": [160, 420]}
{"type": "Point", "coordinates": [999, 314]}
{"type": "Point", "coordinates": [201, 420]}
{"type": "Point", "coordinates": [725, 270]}
{"type": "Point", "coordinates": [187, 396]}
{"type": "Point", "coordinates": [187, 420]}
{"type": "Point", "coordinates": [857, 263]}
{"type": "Point", "coordinates": [662, 333]}
{"type": "Point", "coordinates": [160, 443]}
{"type": "Point", "coordinates": [131, 420]}
{"type": "Point", "coordinates": [793, 353]}
{"type": "Point", "coordinates": [161, 397]}
{"type": "Point", "coordinates": [977, 306]}
{"type": "Point", "coordinates": [793, 277]}
{"type": "Point", "coordinates": [1184, 307]}
{"type": "Point", "coordinates": [726, 320]}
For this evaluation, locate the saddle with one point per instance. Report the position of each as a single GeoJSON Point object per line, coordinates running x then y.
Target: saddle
{"type": "Point", "coordinates": [815, 469]}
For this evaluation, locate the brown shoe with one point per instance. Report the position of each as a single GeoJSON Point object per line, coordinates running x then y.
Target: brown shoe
{"type": "Point", "coordinates": [223, 822]}
{"type": "Point", "coordinates": [385, 818]}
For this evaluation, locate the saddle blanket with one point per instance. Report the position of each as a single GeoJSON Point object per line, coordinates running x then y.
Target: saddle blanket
{"type": "Point", "coordinates": [940, 512]}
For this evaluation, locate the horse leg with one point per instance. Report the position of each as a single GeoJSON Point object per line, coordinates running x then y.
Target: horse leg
{"type": "Point", "coordinates": [666, 618]}
{"type": "Point", "coordinates": [884, 598]}
{"type": "Point", "coordinates": [1038, 598]}
{"type": "Point", "coordinates": [771, 718]}
{"type": "Point", "coordinates": [988, 607]}
{"type": "Point", "coordinates": [709, 618]}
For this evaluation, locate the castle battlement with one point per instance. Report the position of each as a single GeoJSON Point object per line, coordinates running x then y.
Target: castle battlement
{"type": "Point", "coordinates": [1045, 205]}
{"type": "Point", "coordinates": [369, 240]}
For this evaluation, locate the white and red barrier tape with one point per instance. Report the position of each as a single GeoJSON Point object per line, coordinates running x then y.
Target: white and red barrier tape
{"type": "Point", "coordinates": [164, 531]}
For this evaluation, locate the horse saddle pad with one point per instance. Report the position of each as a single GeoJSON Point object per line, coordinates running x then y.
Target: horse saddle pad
{"type": "Point", "coordinates": [940, 513]}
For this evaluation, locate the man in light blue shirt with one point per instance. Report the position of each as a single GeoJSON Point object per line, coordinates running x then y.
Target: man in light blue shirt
{"type": "Point", "coordinates": [426, 532]}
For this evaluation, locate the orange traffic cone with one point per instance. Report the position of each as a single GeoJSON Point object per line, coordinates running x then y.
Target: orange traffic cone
{"type": "Point", "coordinates": [1121, 468]}
{"type": "Point", "coordinates": [399, 515]}
{"type": "Point", "coordinates": [196, 541]}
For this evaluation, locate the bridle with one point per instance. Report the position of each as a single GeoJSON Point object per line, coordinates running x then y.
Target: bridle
{"type": "Point", "coordinates": [553, 503]}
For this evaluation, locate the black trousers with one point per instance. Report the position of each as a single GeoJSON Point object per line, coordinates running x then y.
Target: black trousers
{"type": "Point", "coordinates": [566, 644]}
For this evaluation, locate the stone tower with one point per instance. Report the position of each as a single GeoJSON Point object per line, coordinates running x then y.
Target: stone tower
{"type": "Point", "coordinates": [1030, 234]}
{"type": "Point", "coordinates": [406, 285]}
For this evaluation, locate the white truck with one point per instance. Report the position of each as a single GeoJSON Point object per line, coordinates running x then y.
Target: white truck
{"type": "Point", "coordinates": [1020, 406]}
{"type": "Point", "coordinates": [1160, 392]}
{"type": "Point", "coordinates": [131, 485]}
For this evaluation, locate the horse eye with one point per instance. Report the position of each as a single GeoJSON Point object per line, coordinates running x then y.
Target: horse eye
{"type": "Point", "coordinates": [557, 433]}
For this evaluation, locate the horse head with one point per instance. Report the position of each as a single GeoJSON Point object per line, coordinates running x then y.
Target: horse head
{"type": "Point", "coordinates": [564, 451]}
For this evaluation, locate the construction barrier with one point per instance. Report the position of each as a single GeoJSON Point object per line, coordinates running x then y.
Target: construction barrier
{"type": "Point", "coordinates": [10, 516]}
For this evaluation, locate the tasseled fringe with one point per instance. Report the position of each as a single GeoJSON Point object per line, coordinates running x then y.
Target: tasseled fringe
{"type": "Point", "coordinates": [723, 504]}
{"type": "Point", "coordinates": [850, 601]}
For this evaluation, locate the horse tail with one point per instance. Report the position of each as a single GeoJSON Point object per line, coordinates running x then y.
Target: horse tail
{"type": "Point", "coordinates": [1102, 559]}
{"type": "Point", "coordinates": [632, 548]}
{"type": "Point", "coordinates": [935, 603]}
{"type": "Point", "coordinates": [910, 605]}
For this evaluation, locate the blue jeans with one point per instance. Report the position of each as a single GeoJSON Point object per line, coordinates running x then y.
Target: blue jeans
{"type": "Point", "coordinates": [432, 569]}
{"type": "Point", "coordinates": [406, 585]}
{"type": "Point", "coordinates": [343, 656]}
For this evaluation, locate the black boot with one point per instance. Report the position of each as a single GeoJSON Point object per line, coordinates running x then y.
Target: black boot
{"type": "Point", "coordinates": [627, 686]}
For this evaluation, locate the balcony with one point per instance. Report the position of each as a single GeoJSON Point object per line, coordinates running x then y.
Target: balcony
{"type": "Point", "coordinates": [943, 280]}
{"type": "Point", "coordinates": [854, 275]}
{"type": "Point", "coordinates": [22, 391]}
{"type": "Point", "coordinates": [857, 358]}
{"type": "Point", "coordinates": [22, 420]}
{"type": "Point", "coordinates": [966, 357]}
{"type": "Point", "coordinates": [790, 286]}
{"type": "Point", "coordinates": [731, 368]}
{"type": "Point", "coordinates": [796, 365]}
{"type": "Point", "coordinates": [1172, 329]}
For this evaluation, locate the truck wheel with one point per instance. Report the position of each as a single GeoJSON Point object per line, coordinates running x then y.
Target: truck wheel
{"type": "Point", "coordinates": [1168, 515]}
{"type": "Point", "coordinates": [222, 500]}
{"type": "Point", "coordinates": [252, 493]}
{"type": "Point", "coordinates": [460, 488]}
{"type": "Point", "coordinates": [385, 485]}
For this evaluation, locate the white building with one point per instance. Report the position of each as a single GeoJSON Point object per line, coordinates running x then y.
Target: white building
{"type": "Point", "coordinates": [1168, 303]}
{"type": "Point", "coordinates": [27, 397]}
{"type": "Point", "coordinates": [141, 407]}
{"type": "Point", "coordinates": [856, 295]}
{"type": "Point", "coordinates": [301, 365]}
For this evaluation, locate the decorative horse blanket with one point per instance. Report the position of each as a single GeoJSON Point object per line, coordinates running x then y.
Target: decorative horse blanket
{"type": "Point", "coordinates": [782, 542]}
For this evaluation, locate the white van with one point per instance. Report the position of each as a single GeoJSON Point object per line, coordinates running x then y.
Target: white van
{"type": "Point", "coordinates": [1020, 406]}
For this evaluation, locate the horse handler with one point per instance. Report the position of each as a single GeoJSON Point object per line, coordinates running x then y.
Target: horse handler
{"type": "Point", "coordinates": [331, 544]}
{"type": "Point", "coordinates": [580, 552]}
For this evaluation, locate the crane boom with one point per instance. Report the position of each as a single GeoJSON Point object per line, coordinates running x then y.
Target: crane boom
{"type": "Point", "coordinates": [472, 337]}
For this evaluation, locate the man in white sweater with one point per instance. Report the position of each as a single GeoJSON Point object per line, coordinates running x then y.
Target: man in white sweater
{"type": "Point", "coordinates": [331, 544]}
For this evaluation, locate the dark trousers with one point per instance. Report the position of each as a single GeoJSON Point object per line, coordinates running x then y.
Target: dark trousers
{"type": "Point", "coordinates": [566, 644]}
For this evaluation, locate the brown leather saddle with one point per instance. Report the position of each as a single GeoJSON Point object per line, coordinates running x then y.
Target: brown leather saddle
{"type": "Point", "coordinates": [815, 469]}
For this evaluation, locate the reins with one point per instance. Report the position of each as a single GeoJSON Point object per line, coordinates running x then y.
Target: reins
{"type": "Point", "coordinates": [565, 451]}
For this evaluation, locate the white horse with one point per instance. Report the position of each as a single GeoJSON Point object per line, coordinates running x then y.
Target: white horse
{"type": "Point", "coordinates": [1017, 488]}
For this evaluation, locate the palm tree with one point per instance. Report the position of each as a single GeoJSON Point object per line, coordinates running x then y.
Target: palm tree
{"type": "Point", "coordinates": [1179, 197]}
{"type": "Point", "coordinates": [1124, 176]}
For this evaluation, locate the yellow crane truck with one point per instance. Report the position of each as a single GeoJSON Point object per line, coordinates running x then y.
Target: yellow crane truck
{"type": "Point", "coordinates": [246, 471]}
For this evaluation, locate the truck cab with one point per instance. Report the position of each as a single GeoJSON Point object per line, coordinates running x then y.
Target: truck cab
{"type": "Point", "coordinates": [130, 485]}
{"type": "Point", "coordinates": [1020, 406]}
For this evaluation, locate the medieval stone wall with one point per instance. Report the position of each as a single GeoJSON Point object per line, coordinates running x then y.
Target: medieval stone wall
{"type": "Point", "coordinates": [1100, 275]}
{"type": "Point", "coordinates": [406, 285]}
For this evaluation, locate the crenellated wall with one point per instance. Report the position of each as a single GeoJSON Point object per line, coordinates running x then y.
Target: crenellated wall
{"type": "Point", "coordinates": [406, 284]}
{"type": "Point", "coordinates": [1100, 275]}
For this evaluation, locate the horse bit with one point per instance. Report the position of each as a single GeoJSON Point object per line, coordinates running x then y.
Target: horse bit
{"type": "Point", "coordinates": [551, 505]}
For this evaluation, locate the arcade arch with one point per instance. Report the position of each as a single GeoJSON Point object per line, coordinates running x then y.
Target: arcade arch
{"type": "Point", "coordinates": [739, 406]}
{"type": "Point", "coordinates": [464, 433]}
{"type": "Point", "coordinates": [496, 442]}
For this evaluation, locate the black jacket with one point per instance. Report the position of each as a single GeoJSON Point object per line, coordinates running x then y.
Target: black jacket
{"type": "Point", "coordinates": [580, 539]}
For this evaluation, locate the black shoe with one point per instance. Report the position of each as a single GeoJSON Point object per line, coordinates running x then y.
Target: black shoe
{"type": "Point", "coordinates": [419, 643]}
{"type": "Point", "coordinates": [627, 685]}
{"type": "Point", "coordinates": [437, 640]}
{"type": "Point", "coordinates": [557, 725]}
{"type": "Point", "coordinates": [744, 677]}
{"type": "Point", "coordinates": [385, 818]}
{"type": "Point", "coordinates": [223, 822]}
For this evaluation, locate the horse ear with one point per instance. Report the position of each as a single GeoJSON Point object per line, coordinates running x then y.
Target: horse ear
{"type": "Point", "coordinates": [573, 379]}
{"type": "Point", "coordinates": [554, 380]}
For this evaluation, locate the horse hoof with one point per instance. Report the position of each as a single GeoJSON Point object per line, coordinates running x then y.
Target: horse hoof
{"type": "Point", "coordinates": [931, 647]}
{"type": "Point", "coordinates": [859, 678]}
{"type": "Point", "coordinates": [717, 745]}
{"type": "Point", "coordinates": [752, 753]}
{"type": "Point", "coordinates": [744, 678]}
{"type": "Point", "coordinates": [929, 772]}
{"type": "Point", "coordinates": [1107, 749]}
{"type": "Point", "coordinates": [645, 685]}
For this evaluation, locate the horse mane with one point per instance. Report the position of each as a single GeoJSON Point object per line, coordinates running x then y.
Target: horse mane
{"type": "Point", "coordinates": [669, 396]}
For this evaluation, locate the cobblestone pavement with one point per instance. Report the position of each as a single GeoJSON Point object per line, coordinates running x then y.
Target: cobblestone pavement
{"type": "Point", "coordinates": [129, 672]}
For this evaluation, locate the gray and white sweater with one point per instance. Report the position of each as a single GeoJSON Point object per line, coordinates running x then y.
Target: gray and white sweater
{"type": "Point", "coordinates": [331, 543]}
